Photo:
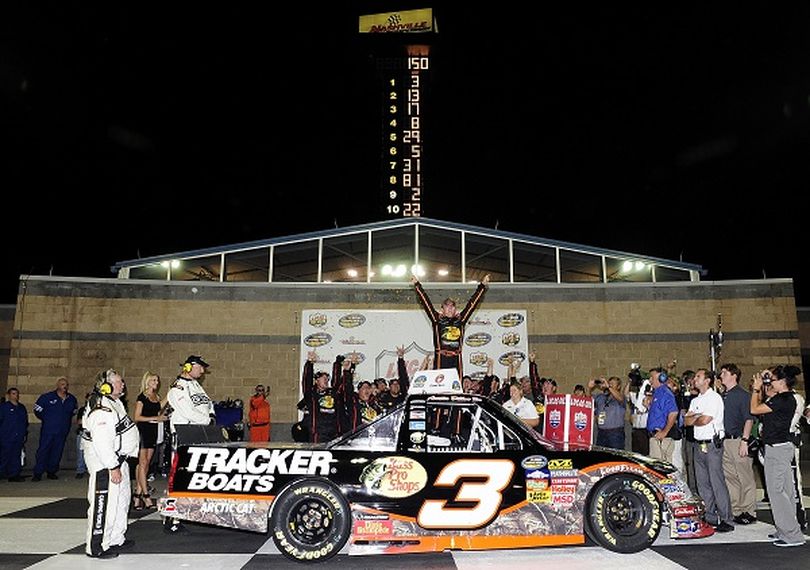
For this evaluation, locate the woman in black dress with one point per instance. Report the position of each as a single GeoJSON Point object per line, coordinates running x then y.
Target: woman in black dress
{"type": "Point", "coordinates": [147, 416]}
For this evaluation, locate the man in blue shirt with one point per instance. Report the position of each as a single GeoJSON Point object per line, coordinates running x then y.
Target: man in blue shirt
{"type": "Point", "coordinates": [56, 410]}
{"type": "Point", "coordinates": [662, 417]}
{"type": "Point", "coordinates": [13, 430]}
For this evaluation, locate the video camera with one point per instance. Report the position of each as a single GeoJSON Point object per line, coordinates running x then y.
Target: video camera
{"type": "Point", "coordinates": [636, 376]}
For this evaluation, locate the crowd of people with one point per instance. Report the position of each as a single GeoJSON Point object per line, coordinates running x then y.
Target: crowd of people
{"type": "Point", "coordinates": [717, 433]}
{"type": "Point", "coordinates": [710, 427]}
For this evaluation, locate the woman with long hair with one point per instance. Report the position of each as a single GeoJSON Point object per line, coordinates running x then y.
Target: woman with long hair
{"type": "Point", "coordinates": [147, 417]}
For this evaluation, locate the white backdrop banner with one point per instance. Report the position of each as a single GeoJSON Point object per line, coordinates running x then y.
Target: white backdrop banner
{"type": "Point", "coordinates": [375, 335]}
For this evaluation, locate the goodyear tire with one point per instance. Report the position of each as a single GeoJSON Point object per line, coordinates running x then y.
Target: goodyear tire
{"type": "Point", "coordinates": [311, 521]}
{"type": "Point", "coordinates": [624, 513]}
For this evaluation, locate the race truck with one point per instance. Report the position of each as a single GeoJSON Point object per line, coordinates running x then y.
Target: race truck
{"type": "Point", "coordinates": [441, 471]}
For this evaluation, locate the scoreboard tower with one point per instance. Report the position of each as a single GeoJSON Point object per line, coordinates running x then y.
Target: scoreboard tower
{"type": "Point", "coordinates": [403, 70]}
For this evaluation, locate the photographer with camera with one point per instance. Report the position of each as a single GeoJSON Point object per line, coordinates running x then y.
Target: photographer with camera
{"type": "Point", "coordinates": [609, 408]}
{"type": "Point", "coordinates": [705, 414]}
{"type": "Point", "coordinates": [776, 414]}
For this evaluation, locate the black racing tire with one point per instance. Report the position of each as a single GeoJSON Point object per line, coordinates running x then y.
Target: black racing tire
{"type": "Point", "coordinates": [623, 513]}
{"type": "Point", "coordinates": [311, 521]}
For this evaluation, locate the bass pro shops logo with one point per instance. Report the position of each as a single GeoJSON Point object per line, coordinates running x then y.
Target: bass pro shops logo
{"type": "Point", "coordinates": [250, 470]}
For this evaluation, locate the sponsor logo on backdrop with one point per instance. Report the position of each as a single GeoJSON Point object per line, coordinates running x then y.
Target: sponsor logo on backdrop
{"type": "Point", "coordinates": [318, 339]}
{"type": "Point", "coordinates": [351, 321]}
{"type": "Point", "coordinates": [478, 358]}
{"type": "Point", "coordinates": [510, 319]}
{"type": "Point", "coordinates": [318, 320]}
{"type": "Point", "coordinates": [478, 339]}
{"type": "Point", "coordinates": [554, 418]}
{"type": "Point", "coordinates": [510, 339]}
{"type": "Point", "coordinates": [508, 357]}
{"type": "Point", "coordinates": [352, 340]}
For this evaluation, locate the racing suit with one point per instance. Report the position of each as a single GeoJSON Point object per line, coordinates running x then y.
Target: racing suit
{"type": "Point", "coordinates": [190, 404]}
{"type": "Point", "coordinates": [448, 332]}
{"type": "Point", "coordinates": [324, 410]}
{"type": "Point", "coordinates": [109, 436]}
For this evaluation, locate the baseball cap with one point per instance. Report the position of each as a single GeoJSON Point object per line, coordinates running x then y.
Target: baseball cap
{"type": "Point", "coordinates": [193, 359]}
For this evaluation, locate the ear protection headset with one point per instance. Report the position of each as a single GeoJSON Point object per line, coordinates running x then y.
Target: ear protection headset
{"type": "Point", "coordinates": [187, 367]}
{"type": "Point", "coordinates": [663, 377]}
{"type": "Point", "coordinates": [104, 386]}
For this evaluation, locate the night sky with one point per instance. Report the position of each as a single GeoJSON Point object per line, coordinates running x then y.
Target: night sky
{"type": "Point", "coordinates": [680, 132]}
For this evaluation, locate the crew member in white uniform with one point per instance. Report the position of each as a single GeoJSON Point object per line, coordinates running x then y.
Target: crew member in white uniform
{"type": "Point", "coordinates": [190, 404]}
{"type": "Point", "coordinates": [109, 437]}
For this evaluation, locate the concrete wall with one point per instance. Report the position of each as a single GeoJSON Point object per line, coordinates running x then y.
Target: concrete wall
{"type": "Point", "coordinates": [250, 333]}
{"type": "Point", "coordinates": [804, 335]}
{"type": "Point", "coordinates": [6, 328]}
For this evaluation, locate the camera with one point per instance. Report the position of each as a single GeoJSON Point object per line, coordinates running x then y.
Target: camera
{"type": "Point", "coordinates": [635, 375]}
{"type": "Point", "coordinates": [766, 378]}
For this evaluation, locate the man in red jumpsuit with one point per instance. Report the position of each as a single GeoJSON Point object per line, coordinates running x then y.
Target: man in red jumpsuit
{"type": "Point", "coordinates": [259, 416]}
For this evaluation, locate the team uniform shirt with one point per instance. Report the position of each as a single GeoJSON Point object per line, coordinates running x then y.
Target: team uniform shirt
{"type": "Point", "coordinates": [13, 430]}
{"type": "Point", "coordinates": [523, 409]}
{"type": "Point", "coordinates": [387, 401]}
{"type": "Point", "coordinates": [190, 403]}
{"type": "Point", "coordinates": [56, 414]}
{"type": "Point", "coordinates": [710, 403]}
{"type": "Point", "coordinates": [324, 410]}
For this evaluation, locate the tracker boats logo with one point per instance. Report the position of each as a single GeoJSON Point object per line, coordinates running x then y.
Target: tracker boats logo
{"type": "Point", "coordinates": [245, 470]}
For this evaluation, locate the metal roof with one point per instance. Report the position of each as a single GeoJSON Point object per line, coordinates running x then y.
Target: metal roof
{"type": "Point", "coordinates": [399, 223]}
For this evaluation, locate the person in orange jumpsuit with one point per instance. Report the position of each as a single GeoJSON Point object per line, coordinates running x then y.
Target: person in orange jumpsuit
{"type": "Point", "coordinates": [259, 416]}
